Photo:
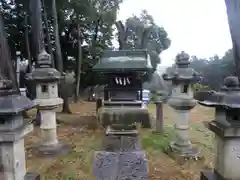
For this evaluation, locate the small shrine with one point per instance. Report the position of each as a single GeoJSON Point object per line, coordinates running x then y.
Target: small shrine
{"type": "Point", "coordinates": [226, 127]}
{"type": "Point", "coordinates": [124, 72]}
{"type": "Point", "coordinates": [182, 102]}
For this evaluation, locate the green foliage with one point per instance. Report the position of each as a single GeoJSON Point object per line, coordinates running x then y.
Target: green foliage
{"type": "Point", "coordinates": [95, 17]}
{"type": "Point", "coordinates": [157, 39]}
{"type": "Point", "coordinates": [199, 87]}
{"type": "Point", "coordinates": [214, 69]}
{"type": "Point", "coordinates": [156, 141]}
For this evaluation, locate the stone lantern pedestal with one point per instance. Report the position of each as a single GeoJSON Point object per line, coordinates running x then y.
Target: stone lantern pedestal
{"type": "Point", "coordinates": [182, 106]}
{"type": "Point", "coordinates": [12, 131]}
{"type": "Point", "coordinates": [226, 127]}
{"type": "Point", "coordinates": [182, 102]}
{"type": "Point", "coordinates": [46, 80]}
{"type": "Point", "coordinates": [12, 126]}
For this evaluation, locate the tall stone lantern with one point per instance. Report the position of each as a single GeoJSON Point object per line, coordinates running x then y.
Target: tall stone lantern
{"type": "Point", "coordinates": [226, 127]}
{"type": "Point", "coordinates": [46, 80]}
{"type": "Point", "coordinates": [182, 102]}
{"type": "Point", "coordinates": [12, 126]}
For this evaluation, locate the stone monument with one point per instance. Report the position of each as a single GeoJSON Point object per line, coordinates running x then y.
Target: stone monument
{"type": "Point", "coordinates": [122, 107]}
{"type": "Point", "coordinates": [182, 102]}
{"type": "Point", "coordinates": [226, 126]}
{"type": "Point", "coordinates": [12, 126]}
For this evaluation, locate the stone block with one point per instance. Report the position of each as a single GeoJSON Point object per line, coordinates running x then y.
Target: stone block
{"type": "Point", "coordinates": [121, 143]}
{"type": "Point", "coordinates": [120, 166]}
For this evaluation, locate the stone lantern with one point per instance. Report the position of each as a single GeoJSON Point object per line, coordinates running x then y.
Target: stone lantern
{"type": "Point", "coordinates": [226, 127]}
{"type": "Point", "coordinates": [12, 126]}
{"type": "Point", "coordinates": [46, 80]}
{"type": "Point", "coordinates": [182, 102]}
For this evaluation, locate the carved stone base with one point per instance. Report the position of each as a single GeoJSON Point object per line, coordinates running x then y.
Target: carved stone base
{"type": "Point", "coordinates": [123, 165]}
{"type": "Point", "coordinates": [32, 176]}
{"type": "Point", "coordinates": [183, 153]}
{"type": "Point", "coordinates": [52, 151]}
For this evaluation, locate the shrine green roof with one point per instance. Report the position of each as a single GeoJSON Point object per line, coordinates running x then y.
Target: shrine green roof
{"type": "Point", "coordinates": [124, 60]}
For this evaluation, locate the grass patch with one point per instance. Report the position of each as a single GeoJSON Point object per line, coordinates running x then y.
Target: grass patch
{"type": "Point", "coordinates": [77, 164]}
{"type": "Point", "coordinates": [156, 141]}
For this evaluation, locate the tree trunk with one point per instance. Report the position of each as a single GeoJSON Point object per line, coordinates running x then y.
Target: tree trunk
{"type": "Point", "coordinates": [50, 51]}
{"type": "Point", "coordinates": [233, 14]}
{"type": "Point", "coordinates": [57, 39]}
{"type": "Point", "coordinates": [79, 65]}
{"type": "Point", "coordinates": [122, 35]}
{"type": "Point", "coordinates": [59, 61]}
{"type": "Point", "coordinates": [27, 44]}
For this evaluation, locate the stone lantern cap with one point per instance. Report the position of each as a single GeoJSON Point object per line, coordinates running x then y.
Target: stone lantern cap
{"type": "Point", "coordinates": [11, 102]}
{"type": "Point", "coordinates": [180, 72]}
{"type": "Point", "coordinates": [44, 72]}
{"type": "Point", "coordinates": [228, 97]}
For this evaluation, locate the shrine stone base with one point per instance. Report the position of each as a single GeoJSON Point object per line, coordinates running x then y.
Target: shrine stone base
{"type": "Point", "coordinates": [32, 176]}
{"type": "Point", "coordinates": [121, 157]}
{"type": "Point", "coordinates": [182, 153]}
{"type": "Point", "coordinates": [121, 165]}
{"type": "Point", "coordinates": [53, 150]}
{"type": "Point", "coordinates": [107, 115]}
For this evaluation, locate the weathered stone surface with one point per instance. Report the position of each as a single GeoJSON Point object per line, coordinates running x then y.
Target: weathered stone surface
{"type": "Point", "coordinates": [122, 143]}
{"type": "Point", "coordinates": [32, 176]}
{"type": "Point", "coordinates": [109, 115]}
{"type": "Point", "coordinates": [120, 166]}
{"type": "Point", "coordinates": [132, 166]}
{"type": "Point", "coordinates": [105, 165]}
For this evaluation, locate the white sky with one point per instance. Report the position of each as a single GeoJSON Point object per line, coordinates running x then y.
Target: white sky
{"type": "Point", "coordinates": [198, 27]}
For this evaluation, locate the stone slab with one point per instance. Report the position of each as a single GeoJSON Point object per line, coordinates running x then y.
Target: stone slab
{"type": "Point", "coordinates": [121, 143]}
{"type": "Point", "coordinates": [209, 175]}
{"type": "Point", "coordinates": [52, 151]}
{"type": "Point", "coordinates": [32, 176]}
{"type": "Point", "coordinates": [120, 166]}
